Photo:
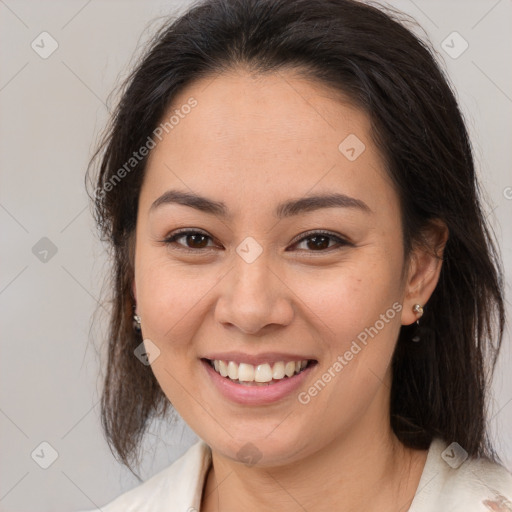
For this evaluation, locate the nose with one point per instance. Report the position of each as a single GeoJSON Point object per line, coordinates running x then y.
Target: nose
{"type": "Point", "coordinates": [253, 296]}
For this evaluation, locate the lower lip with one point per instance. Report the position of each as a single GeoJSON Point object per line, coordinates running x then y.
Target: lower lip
{"type": "Point", "coordinates": [256, 395]}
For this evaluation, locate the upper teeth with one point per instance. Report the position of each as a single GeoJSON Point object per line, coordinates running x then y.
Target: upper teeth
{"type": "Point", "coordinates": [260, 373]}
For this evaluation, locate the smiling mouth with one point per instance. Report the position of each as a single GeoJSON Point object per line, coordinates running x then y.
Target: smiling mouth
{"type": "Point", "coordinates": [259, 375]}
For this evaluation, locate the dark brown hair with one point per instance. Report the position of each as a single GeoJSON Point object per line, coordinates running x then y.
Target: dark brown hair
{"type": "Point", "coordinates": [440, 385]}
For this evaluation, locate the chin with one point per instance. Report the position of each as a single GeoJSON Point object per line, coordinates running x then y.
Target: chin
{"type": "Point", "coordinates": [260, 451]}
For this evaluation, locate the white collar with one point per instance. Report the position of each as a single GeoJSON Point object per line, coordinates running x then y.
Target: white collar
{"type": "Point", "coordinates": [442, 487]}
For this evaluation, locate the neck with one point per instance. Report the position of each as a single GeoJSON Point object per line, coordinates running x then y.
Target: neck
{"type": "Point", "coordinates": [359, 471]}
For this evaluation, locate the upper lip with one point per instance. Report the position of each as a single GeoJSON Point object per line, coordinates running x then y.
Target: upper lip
{"type": "Point", "coordinates": [256, 359]}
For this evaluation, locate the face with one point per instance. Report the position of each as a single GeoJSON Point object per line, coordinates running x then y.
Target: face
{"type": "Point", "coordinates": [265, 286]}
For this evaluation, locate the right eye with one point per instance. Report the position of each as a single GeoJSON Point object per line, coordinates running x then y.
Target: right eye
{"type": "Point", "coordinates": [196, 239]}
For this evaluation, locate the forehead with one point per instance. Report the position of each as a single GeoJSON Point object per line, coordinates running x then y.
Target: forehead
{"type": "Point", "coordinates": [280, 110]}
{"type": "Point", "coordinates": [257, 138]}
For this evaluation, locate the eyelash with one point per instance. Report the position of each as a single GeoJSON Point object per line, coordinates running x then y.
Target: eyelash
{"type": "Point", "coordinates": [180, 234]}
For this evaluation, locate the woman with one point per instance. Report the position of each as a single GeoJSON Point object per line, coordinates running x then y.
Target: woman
{"type": "Point", "coordinates": [289, 191]}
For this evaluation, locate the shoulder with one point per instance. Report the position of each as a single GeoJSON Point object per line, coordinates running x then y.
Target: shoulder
{"type": "Point", "coordinates": [453, 482]}
{"type": "Point", "coordinates": [177, 487]}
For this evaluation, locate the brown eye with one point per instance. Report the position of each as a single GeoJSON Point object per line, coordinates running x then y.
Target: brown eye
{"type": "Point", "coordinates": [319, 241]}
{"type": "Point", "coordinates": [194, 240]}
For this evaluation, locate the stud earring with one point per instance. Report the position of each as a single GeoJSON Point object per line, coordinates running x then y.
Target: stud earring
{"type": "Point", "coordinates": [136, 323]}
{"type": "Point", "coordinates": [419, 311]}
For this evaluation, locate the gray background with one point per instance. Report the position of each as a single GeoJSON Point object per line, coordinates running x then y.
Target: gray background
{"type": "Point", "coordinates": [52, 111]}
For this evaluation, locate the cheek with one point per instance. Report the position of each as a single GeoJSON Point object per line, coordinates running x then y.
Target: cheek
{"type": "Point", "coordinates": [173, 298]}
{"type": "Point", "coordinates": [349, 298]}
{"type": "Point", "coordinates": [174, 301]}
{"type": "Point", "coordinates": [357, 316]}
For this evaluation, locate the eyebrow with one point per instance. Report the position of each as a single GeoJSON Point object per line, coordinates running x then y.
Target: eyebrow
{"type": "Point", "coordinates": [286, 209]}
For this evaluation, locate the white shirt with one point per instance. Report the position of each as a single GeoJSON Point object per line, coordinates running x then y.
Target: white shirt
{"type": "Point", "coordinates": [475, 485]}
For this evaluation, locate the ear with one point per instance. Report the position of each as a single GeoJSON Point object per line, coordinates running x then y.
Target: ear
{"type": "Point", "coordinates": [424, 269]}
{"type": "Point", "coordinates": [134, 290]}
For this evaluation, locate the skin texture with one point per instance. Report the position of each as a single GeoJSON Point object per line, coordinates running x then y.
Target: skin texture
{"type": "Point", "coordinates": [253, 142]}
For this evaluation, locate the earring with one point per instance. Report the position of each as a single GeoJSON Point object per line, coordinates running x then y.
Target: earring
{"type": "Point", "coordinates": [419, 311]}
{"type": "Point", "coordinates": [136, 323]}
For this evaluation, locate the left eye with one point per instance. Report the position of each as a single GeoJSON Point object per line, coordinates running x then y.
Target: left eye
{"type": "Point", "coordinates": [196, 240]}
{"type": "Point", "coordinates": [321, 240]}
